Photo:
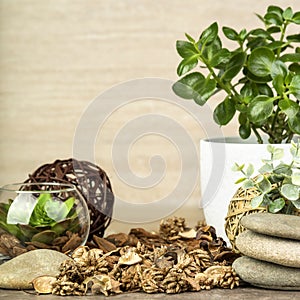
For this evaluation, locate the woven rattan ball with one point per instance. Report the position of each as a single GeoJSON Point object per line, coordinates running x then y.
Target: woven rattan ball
{"type": "Point", "coordinates": [240, 205]}
{"type": "Point", "coordinates": [90, 180]}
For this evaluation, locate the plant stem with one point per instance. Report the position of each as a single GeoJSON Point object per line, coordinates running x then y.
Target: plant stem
{"type": "Point", "coordinates": [259, 138]}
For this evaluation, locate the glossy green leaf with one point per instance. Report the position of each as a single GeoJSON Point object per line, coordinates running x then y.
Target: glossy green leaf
{"type": "Point", "coordinates": [289, 107]}
{"type": "Point", "coordinates": [209, 51]}
{"type": "Point", "coordinates": [275, 10]}
{"type": "Point", "coordinates": [230, 33]}
{"type": "Point", "coordinates": [222, 56]}
{"type": "Point", "coordinates": [260, 108]}
{"type": "Point", "coordinates": [245, 130]}
{"type": "Point", "coordinates": [273, 18]}
{"type": "Point", "coordinates": [224, 112]}
{"type": "Point", "coordinates": [188, 85]}
{"type": "Point", "coordinates": [234, 66]}
{"type": "Point", "coordinates": [261, 33]}
{"type": "Point", "coordinates": [278, 84]}
{"type": "Point", "coordinates": [195, 86]}
{"type": "Point", "coordinates": [288, 14]}
{"type": "Point", "coordinates": [279, 68]}
{"type": "Point", "coordinates": [185, 49]}
{"type": "Point", "coordinates": [209, 34]}
{"type": "Point", "coordinates": [264, 89]}
{"type": "Point", "coordinates": [204, 92]}
{"type": "Point", "coordinates": [294, 38]}
{"type": "Point", "coordinates": [290, 191]}
{"type": "Point", "coordinates": [260, 61]}
{"type": "Point", "coordinates": [296, 18]}
{"type": "Point", "coordinates": [295, 86]}
{"type": "Point", "coordinates": [276, 205]}
{"type": "Point", "coordinates": [189, 38]}
{"type": "Point", "coordinates": [258, 79]}
{"type": "Point", "coordinates": [290, 57]}
{"type": "Point", "coordinates": [294, 123]}
{"type": "Point", "coordinates": [295, 67]}
{"type": "Point", "coordinates": [187, 65]}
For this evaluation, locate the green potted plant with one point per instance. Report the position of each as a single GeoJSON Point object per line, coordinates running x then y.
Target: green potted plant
{"type": "Point", "coordinates": [260, 81]}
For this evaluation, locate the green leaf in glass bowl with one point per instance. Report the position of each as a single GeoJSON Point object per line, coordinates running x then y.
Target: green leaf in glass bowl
{"type": "Point", "coordinates": [46, 237]}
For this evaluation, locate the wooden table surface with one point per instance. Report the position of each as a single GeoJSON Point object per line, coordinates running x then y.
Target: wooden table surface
{"type": "Point", "coordinates": [245, 293]}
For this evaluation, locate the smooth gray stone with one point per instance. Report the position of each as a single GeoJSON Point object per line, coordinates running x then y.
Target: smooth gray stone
{"type": "Point", "coordinates": [273, 249]}
{"type": "Point", "coordinates": [267, 275]}
{"type": "Point", "coordinates": [285, 226]}
{"type": "Point", "coordinates": [18, 272]}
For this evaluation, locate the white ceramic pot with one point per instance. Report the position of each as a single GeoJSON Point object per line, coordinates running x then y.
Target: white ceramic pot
{"type": "Point", "coordinates": [217, 180]}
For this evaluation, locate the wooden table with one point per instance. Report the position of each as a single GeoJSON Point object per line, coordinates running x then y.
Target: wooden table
{"type": "Point", "coordinates": [245, 293]}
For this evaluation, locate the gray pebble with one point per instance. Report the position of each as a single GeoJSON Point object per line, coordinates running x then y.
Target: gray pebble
{"type": "Point", "coordinates": [280, 225]}
{"type": "Point", "coordinates": [267, 275]}
{"type": "Point", "coordinates": [18, 272]}
{"type": "Point", "coordinates": [273, 249]}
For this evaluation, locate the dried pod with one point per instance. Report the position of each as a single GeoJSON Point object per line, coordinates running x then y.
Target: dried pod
{"type": "Point", "coordinates": [43, 284]}
{"type": "Point", "coordinates": [130, 257]}
{"type": "Point", "coordinates": [102, 284]}
{"type": "Point", "coordinates": [188, 234]}
{"type": "Point", "coordinates": [79, 252]}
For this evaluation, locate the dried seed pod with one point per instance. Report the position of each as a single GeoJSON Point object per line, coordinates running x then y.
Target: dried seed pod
{"type": "Point", "coordinates": [131, 277]}
{"type": "Point", "coordinates": [130, 257]}
{"type": "Point", "coordinates": [152, 279]}
{"type": "Point", "coordinates": [43, 284]}
{"type": "Point", "coordinates": [170, 228]}
{"type": "Point", "coordinates": [175, 282]}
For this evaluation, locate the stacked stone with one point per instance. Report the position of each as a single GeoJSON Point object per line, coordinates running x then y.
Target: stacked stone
{"type": "Point", "coordinates": [271, 251]}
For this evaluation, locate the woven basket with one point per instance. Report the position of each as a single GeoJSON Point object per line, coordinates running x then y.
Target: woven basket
{"type": "Point", "coordinates": [240, 205]}
{"type": "Point", "coordinates": [90, 180]}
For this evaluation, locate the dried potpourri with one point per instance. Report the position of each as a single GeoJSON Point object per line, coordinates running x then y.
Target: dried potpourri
{"type": "Point", "coordinates": [175, 260]}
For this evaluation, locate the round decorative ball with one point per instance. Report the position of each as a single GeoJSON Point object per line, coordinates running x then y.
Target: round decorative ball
{"type": "Point", "coordinates": [92, 183]}
{"type": "Point", "coordinates": [239, 206]}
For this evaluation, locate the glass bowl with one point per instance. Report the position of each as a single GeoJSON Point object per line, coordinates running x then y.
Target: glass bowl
{"type": "Point", "coordinates": [42, 216]}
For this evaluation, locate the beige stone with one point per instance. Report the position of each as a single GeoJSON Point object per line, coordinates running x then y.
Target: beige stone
{"type": "Point", "coordinates": [272, 249]}
{"type": "Point", "coordinates": [18, 272]}
{"type": "Point", "coordinates": [267, 275]}
{"type": "Point", "coordinates": [280, 225]}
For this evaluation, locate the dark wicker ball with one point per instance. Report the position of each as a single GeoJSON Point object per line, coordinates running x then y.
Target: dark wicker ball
{"type": "Point", "coordinates": [92, 183]}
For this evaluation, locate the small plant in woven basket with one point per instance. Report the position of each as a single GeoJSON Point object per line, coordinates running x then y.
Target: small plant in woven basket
{"type": "Point", "coordinates": [259, 77]}
{"type": "Point", "coordinates": [276, 189]}
{"type": "Point", "coordinates": [278, 184]}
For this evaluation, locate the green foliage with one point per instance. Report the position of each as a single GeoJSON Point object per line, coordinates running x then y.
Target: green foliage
{"type": "Point", "coordinates": [278, 182]}
{"type": "Point", "coordinates": [49, 219]}
{"type": "Point", "coordinates": [260, 76]}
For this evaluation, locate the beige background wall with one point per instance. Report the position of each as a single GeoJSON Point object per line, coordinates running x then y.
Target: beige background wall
{"type": "Point", "coordinates": [56, 56]}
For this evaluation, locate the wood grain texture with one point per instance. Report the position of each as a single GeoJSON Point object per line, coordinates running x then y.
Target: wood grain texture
{"type": "Point", "coordinates": [56, 56]}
